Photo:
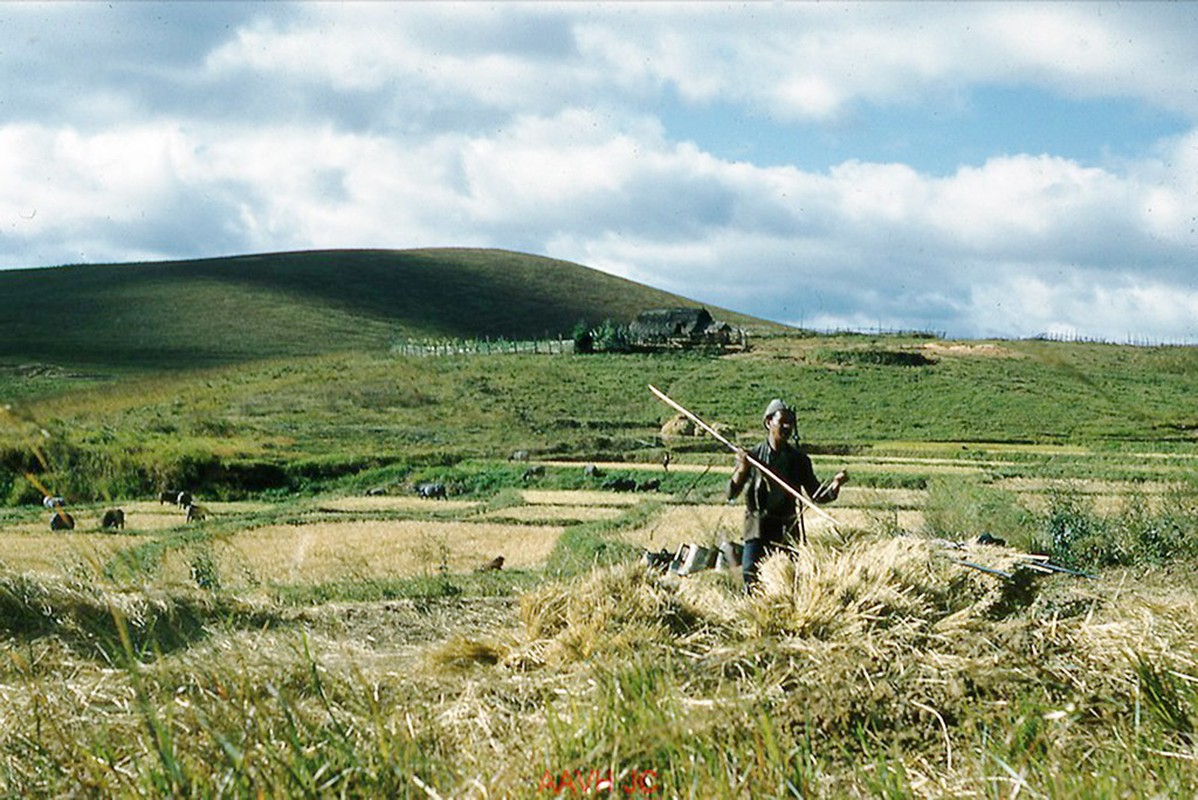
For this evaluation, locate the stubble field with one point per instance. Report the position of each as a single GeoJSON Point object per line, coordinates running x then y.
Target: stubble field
{"type": "Point", "coordinates": [347, 645]}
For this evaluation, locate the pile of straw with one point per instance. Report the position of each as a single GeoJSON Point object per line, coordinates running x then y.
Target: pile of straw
{"type": "Point", "coordinates": [885, 635]}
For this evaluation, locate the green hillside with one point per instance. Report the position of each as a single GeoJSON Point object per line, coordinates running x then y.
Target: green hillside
{"type": "Point", "coordinates": [226, 310]}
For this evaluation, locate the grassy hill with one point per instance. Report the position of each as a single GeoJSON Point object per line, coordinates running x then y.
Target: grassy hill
{"type": "Point", "coordinates": [224, 310]}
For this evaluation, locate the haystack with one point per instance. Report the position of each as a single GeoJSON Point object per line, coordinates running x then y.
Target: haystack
{"type": "Point", "coordinates": [677, 427]}
{"type": "Point", "coordinates": [889, 635]}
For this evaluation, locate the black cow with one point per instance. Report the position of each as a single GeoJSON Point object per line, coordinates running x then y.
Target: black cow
{"type": "Point", "coordinates": [181, 499]}
{"type": "Point", "coordinates": [62, 521]}
{"type": "Point", "coordinates": [621, 485]}
{"type": "Point", "coordinates": [651, 485]}
{"type": "Point", "coordinates": [432, 491]}
{"type": "Point", "coordinates": [532, 472]}
{"type": "Point", "coordinates": [113, 519]}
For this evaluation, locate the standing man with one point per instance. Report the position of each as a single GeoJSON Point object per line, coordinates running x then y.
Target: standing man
{"type": "Point", "coordinates": [770, 510]}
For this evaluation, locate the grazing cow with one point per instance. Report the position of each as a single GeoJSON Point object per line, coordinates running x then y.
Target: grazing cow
{"type": "Point", "coordinates": [377, 491]}
{"type": "Point", "coordinates": [113, 519]}
{"type": "Point", "coordinates": [62, 521]}
{"type": "Point", "coordinates": [432, 491]}
{"type": "Point", "coordinates": [621, 485]}
{"type": "Point", "coordinates": [532, 472]}
{"type": "Point", "coordinates": [181, 499]}
{"type": "Point", "coordinates": [195, 513]}
{"type": "Point", "coordinates": [519, 455]}
{"type": "Point", "coordinates": [651, 485]}
{"type": "Point", "coordinates": [592, 471]}
{"type": "Point", "coordinates": [494, 564]}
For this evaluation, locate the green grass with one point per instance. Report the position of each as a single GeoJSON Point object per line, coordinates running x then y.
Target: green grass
{"type": "Point", "coordinates": [303, 424]}
{"type": "Point", "coordinates": [273, 373]}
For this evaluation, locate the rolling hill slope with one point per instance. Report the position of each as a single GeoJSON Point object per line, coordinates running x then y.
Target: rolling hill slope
{"type": "Point", "coordinates": [222, 310]}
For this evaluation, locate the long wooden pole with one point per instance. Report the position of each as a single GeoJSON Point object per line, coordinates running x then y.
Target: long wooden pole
{"type": "Point", "coordinates": [764, 469]}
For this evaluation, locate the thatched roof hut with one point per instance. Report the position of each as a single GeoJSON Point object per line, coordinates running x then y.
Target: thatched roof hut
{"type": "Point", "coordinates": [679, 326]}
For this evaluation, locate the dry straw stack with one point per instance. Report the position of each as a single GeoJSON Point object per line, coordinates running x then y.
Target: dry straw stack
{"type": "Point", "coordinates": [888, 634]}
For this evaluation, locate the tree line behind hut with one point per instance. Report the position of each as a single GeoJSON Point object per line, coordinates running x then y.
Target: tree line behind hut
{"type": "Point", "coordinates": [659, 329]}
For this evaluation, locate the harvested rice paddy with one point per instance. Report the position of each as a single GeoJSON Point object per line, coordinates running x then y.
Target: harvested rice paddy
{"type": "Point", "coordinates": [868, 622]}
{"type": "Point", "coordinates": [370, 549]}
{"type": "Point", "coordinates": [390, 503]}
{"type": "Point", "coordinates": [45, 553]}
{"type": "Point", "coordinates": [579, 497]}
{"type": "Point", "coordinates": [544, 512]}
{"type": "Point", "coordinates": [393, 536]}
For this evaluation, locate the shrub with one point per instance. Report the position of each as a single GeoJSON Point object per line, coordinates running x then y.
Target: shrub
{"type": "Point", "coordinates": [611, 337]}
{"type": "Point", "coordinates": [1077, 536]}
{"type": "Point", "coordinates": [964, 509]}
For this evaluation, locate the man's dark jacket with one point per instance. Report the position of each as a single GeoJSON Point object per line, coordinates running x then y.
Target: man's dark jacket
{"type": "Point", "coordinates": [770, 511]}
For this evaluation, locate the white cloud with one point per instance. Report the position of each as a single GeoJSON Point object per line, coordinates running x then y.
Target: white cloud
{"type": "Point", "coordinates": [534, 127]}
{"type": "Point", "coordinates": [1078, 303]}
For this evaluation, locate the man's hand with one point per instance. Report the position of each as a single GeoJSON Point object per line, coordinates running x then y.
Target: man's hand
{"type": "Point", "coordinates": [742, 465]}
{"type": "Point", "coordinates": [840, 479]}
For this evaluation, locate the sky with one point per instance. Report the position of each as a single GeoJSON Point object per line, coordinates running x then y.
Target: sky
{"type": "Point", "coordinates": [982, 170]}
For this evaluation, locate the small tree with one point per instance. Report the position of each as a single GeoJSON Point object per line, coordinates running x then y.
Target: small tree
{"type": "Point", "coordinates": [611, 337]}
{"type": "Point", "coordinates": [584, 341]}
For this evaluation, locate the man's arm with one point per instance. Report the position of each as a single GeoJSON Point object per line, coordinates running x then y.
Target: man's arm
{"type": "Point", "coordinates": [740, 474]}
{"type": "Point", "coordinates": [818, 492]}
{"type": "Point", "coordinates": [828, 492]}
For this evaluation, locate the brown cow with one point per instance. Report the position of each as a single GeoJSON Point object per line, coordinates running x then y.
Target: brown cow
{"type": "Point", "coordinates": [494, 564]}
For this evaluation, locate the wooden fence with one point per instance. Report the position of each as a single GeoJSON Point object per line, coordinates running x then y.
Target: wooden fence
{"type": "Point", "coordinates": [482, 347]}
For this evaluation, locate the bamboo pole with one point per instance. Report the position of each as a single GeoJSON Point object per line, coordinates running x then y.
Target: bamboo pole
{"type": "Point", "coordinates": [798, 495]}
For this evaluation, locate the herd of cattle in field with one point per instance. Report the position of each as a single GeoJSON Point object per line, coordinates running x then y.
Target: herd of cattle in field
{"type": "Point", "coordinates": [113, 519]}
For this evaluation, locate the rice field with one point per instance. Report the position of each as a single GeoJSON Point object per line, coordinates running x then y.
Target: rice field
{"type": "Point", "coordinates": [386, 537]}
{"type": "Point", "coordinates": [399, 536]}
{"type": "Point", "coordinates": [948, 677]}
{"type": "Point", "coordinates": [364, 550]}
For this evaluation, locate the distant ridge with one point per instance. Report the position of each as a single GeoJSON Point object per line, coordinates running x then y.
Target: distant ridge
{"type": "Point", "coordinates": [222, 310]}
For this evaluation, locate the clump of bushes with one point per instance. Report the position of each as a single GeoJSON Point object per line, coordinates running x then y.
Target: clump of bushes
{"type": "Point", "coordinates": [1077, 536]}
{"type": "Point", "coordinates": [608, 337]}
